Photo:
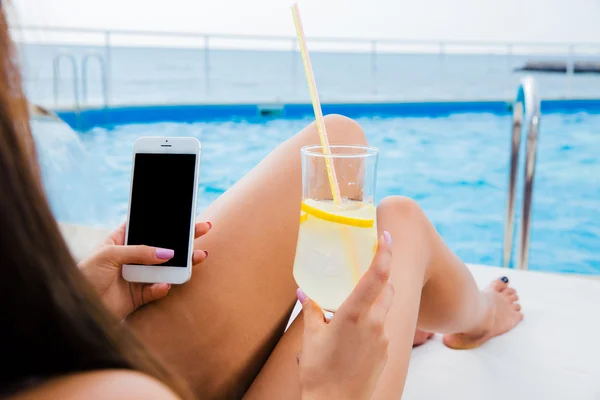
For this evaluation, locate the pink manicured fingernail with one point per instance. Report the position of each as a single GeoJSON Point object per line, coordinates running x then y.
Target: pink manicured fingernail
{"type": "Point", "coordinates": [387, 237]}
{"type": "Point", "coordinates": [164, 254]}
{"type": "Point", "coordinates": [205, 254]}
{"type": "Point", "coordinates": [301, 296]}
{"type": "Point", "coordinates": [168, 287]}
{"type": "Point", "coordinates": [209, 225]}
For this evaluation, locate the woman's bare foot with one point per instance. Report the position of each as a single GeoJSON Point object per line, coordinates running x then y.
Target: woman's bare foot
{"type": "Point", "coordinates": [504, 314]}
{"type": "Point", "coordinates": [421, 337]}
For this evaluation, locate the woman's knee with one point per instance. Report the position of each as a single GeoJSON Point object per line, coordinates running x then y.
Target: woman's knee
{"type": "Point", "coordinates": [409, 226]}
{"type": "Point", "coordinates": [340, 130]}
{"type": "Point", "coordinates": [400, 206]}
{"type": "Point", "coordinates": [344, 130]}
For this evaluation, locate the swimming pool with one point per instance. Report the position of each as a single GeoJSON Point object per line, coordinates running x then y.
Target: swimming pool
{"type": "Point", "coordinates": [455, 166]}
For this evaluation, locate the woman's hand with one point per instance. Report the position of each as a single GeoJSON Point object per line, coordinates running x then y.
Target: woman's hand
{"type": "Point", "coordinates": [103, 270]}
{"type": "Point", "coordinates": [343, 359]}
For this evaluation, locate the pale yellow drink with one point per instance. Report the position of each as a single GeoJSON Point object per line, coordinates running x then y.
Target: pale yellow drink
{"type": "Point", "coordinates": [336, 245]}
{"type": "Point", "coordinates": [337, 237]}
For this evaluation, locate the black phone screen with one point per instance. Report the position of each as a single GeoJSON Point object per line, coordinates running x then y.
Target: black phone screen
{"type": "Point", "coordinates": [161, 203]}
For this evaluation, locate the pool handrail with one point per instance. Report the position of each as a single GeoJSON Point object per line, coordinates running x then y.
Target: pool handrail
{"type": "Point", "coordinates": [84, 76]}
{"type": "Point", "coordinates": [56, 77]}
{"type": "Point", "coordinates": [526, 111]}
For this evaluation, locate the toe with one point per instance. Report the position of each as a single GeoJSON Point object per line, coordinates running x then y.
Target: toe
{"type": "Point", "coordinates": [499, 284]}
{"type": "Point", "coordinates": [509, 291]}
{"type": "Point", "coordinates": [517, 307]}
{"type": "Point", "coordinates": [513, 298]}
{"type": "Point", "coordinates": [421, 337]}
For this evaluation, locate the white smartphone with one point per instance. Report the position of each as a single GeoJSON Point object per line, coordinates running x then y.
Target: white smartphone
{"type": "Point", "coordinates": [162, 206]}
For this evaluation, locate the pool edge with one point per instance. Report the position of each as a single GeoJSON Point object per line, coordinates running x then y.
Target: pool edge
{"type": "Point", "coordinates": [87, 118]}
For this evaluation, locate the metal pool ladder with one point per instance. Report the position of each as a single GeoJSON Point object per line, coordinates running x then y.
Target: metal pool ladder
{"type": "Point", "coordinates": [84, 80]}
{"type": "Point", "coordinates": [56, 76]}
{"type": "Point", "coordinates": [526, 111]}
{"type": "Point", "coordinates": [84, 77]}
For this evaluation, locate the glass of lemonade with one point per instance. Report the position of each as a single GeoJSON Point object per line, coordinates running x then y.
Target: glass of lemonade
{"type": "Point", "coordinates": [337, 240]}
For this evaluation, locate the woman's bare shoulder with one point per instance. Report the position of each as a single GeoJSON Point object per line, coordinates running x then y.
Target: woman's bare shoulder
{"type": "Point", "coordinates": [100, 385]}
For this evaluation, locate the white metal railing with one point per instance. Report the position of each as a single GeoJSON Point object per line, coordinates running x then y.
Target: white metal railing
{"type": "Point", "coordinates": [332, 39]}
{"type": "Point", "coordinates": [372, 47]}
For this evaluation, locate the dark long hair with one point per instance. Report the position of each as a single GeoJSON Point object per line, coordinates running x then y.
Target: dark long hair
{"type": "Point", "coordinates": [52, 322]}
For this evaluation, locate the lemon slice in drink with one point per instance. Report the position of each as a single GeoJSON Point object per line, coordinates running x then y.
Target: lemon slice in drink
{"type": "Point", "coordinates": [356, 214]}
{"type": "Point", "coordinates": [303, 216]}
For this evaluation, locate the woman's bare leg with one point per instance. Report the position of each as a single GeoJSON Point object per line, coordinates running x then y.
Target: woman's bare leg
{"type": "Point", "coordinates": [432, 286]}
{"type": "Point", "coordinates": [218, 329]}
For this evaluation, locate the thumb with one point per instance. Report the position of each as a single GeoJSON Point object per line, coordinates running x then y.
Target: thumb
{"type": "Point", "coordinates": [144, 255]}
{"type": "Point", "coordinates": [144, 293]}
{"type": "Point", "coordinates": [373, 282]}
{"type": "Point", "coordinates": [313, 315]}
{"type": "Point", "coordinates": [154, 292]}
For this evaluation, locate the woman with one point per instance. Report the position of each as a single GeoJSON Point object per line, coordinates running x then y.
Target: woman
{"type": "Point", "coordinates": [222, 332]}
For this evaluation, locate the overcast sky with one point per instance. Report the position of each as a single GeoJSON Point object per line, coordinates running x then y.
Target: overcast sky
{"type": "Point", "coordinates": [506, 20]}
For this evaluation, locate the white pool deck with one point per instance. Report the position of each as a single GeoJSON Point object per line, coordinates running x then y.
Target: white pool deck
{"type": "Point", "coordinates": [553, 354]}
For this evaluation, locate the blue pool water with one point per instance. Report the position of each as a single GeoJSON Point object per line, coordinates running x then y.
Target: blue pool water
{"type": "Point", "coordinates": [456, 167]}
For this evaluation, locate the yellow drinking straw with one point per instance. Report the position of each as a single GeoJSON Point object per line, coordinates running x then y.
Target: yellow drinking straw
{"type": "Point", "coordinates": [314, 95]}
